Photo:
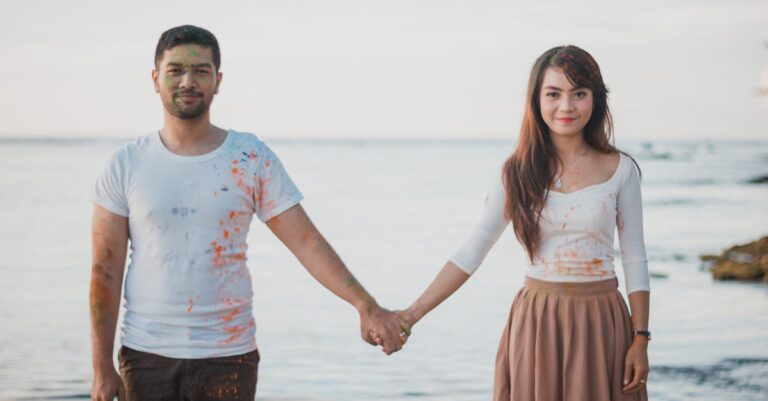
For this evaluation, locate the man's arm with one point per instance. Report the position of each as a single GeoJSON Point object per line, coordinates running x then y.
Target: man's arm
{"type": "Point", "coordinates": [294, 228]}
{"type": "Point", "coordinates": [109, 244]}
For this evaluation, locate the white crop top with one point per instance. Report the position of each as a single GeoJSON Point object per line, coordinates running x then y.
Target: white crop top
{"type": "Point", "coordinates": [577, 231]}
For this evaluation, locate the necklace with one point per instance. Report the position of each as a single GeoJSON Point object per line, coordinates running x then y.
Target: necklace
{"type": "Point", "coordinates": [559, 180]}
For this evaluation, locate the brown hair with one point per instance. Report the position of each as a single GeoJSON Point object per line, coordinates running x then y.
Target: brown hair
{"type": "Point", "coordinates": [529, 172]}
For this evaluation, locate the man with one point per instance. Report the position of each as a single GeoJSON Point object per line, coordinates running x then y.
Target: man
{"type": "Point", "coordinates": [185, 196]}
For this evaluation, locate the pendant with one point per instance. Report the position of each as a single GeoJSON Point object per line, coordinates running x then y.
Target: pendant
{"type": "Point", "coordinates": [558, 183]}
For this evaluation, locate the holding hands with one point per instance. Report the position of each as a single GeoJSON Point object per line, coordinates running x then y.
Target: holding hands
{"type": "Point", "coordinates": [379, 326]}
{"type": "Point", "coordinates": [450, 278]}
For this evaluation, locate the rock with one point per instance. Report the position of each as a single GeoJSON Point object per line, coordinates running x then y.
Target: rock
{"type": "Point", "coordinates": [740, 262]}
{"type": "Point", "coordinates": [731, 270]}
{"type": "Point", "coordinates": [762, 179]}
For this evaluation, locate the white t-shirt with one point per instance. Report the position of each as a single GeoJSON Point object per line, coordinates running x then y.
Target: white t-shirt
{"type": "Point", "coordinates": [577, 231]}
{"type": "Point", "coordinates": [188, 290]}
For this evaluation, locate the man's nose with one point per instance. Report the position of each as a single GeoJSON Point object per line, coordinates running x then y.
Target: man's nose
{"type": "Point", "coordinates": [187, 80]}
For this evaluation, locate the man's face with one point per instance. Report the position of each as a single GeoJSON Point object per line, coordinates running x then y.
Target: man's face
{"type": "Point", "coordinates": [187, 80]}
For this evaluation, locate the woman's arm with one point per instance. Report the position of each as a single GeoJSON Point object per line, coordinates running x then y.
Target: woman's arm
{"type": "Point", "coordinates": [629, 221]}
{"type": "Point", "coordinates": [450, 278]}
{"type": "Point", "coordinates": [636, 361]}
{"type": "Point", "coordinates": [467, 259]}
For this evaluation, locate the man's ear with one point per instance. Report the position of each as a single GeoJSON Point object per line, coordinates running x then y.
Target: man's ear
{"type": "Point", "coordinates": [155, 83]}
{"type": "Point", "coordinates": [219, 76]}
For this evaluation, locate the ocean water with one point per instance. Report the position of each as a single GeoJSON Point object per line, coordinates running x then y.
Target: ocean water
{"type": "Point", "coordinates": [395, 211]}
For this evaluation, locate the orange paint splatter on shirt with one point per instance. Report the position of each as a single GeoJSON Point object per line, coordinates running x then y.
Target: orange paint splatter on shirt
{"type": "Point", "coordinates": [232, 215]}
{"type": "Point", "coordinates": [231, 315]}
{"type": "Point", "coordinates": [226, 234]}
{"type": "Point", "coordinates": [189, 308]}
{"type": "Point", "coordinates": [236, 332]}
{"type": "Point", "coordinates": [217, 249]}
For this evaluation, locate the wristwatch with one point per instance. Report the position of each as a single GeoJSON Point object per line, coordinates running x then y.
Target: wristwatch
{"type": "Point", "coordinates": [645, 333]}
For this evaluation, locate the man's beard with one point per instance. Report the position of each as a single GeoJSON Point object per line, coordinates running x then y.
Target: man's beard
{"type": "Point", "coordinates": [186, 112]}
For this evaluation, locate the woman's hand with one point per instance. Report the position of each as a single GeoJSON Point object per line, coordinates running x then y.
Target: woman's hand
{"type": "Point", "coordinates": [405, 332]}
{"type": "Point", "coordinates": [636, 365]}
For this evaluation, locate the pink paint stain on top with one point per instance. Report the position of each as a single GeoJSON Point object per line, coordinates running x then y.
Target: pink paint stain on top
{"type": "Point", "coordinates": [620, 222]}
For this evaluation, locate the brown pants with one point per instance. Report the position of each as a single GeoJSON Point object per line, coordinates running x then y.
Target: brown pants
{"type": "Point", "coordinates": [154, 377]}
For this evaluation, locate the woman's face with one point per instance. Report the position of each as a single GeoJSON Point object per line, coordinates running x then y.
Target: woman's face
{"type": "Point", "coordinates": [565, 108]}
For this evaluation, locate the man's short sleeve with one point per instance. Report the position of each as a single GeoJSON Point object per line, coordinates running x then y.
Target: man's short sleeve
{"type": "Point", "coordinates": [109, 190]}
{"type": "Point", "coordinates": [275, 191]}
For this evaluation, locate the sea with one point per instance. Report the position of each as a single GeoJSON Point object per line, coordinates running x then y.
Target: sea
{"type": "Point", "coordinates": [395, 210]}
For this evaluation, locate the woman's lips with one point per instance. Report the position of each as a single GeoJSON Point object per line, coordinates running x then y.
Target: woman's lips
{"type": "Point", "coordinates": [566, 120]}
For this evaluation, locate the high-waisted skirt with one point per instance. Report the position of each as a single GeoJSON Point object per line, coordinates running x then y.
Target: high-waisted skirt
{"type": "Point", "coordinates": [565, 342]}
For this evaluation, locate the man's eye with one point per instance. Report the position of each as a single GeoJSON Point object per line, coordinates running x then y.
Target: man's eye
{"type": "Point", "coordinates": [203, 72]}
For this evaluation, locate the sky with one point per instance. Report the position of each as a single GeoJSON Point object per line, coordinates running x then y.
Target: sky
{"type": "Point", "coordinates": [395, 69]}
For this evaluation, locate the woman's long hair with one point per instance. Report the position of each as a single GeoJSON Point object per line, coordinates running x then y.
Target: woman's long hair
{"type": "Point", "coordinates": [529, 172]}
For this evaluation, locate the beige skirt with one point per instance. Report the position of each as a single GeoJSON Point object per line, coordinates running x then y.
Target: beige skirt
{"type": "Point", "coordinates": [565, 342]}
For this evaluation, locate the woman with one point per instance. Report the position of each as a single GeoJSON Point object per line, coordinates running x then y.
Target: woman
{"type": "Point", "coordinates": [565, 189]}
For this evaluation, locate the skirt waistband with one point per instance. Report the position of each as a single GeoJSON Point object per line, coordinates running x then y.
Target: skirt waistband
{"type": "Point", "coordinates": [571, 288]}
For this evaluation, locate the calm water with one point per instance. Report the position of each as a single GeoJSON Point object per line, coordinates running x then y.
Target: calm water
{"type": "Point", "coordinates": [395, 211]}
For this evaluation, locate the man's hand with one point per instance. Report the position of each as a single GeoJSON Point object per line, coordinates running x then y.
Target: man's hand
{"type": "Point", "coordinates": [107, 385]}
{"type": "Point", "coordinates": [380, 326]}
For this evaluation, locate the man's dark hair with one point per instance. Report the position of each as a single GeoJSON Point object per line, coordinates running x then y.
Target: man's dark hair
{"type": "Point", "coordinates": [187, 34]}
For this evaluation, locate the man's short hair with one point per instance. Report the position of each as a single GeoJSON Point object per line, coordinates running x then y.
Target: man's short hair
{"type": "Point", "coordinates": [187, 34]}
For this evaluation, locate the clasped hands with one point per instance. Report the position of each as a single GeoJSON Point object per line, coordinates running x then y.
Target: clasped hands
{"type": "Point", "coordinates": [385, 328]}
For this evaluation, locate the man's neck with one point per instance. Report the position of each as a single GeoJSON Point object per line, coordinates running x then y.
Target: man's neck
{"type": "Point", "coordinates": [191, 137]}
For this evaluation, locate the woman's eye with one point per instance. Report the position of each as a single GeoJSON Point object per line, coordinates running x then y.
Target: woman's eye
{"type": "Point", "coordinates": [580, 95]}
{"type": "Point", "coordinates": [552, 94]}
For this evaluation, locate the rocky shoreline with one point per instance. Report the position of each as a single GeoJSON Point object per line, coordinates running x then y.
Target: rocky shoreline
{"type": "Point", "coordinates": [745, 262]}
